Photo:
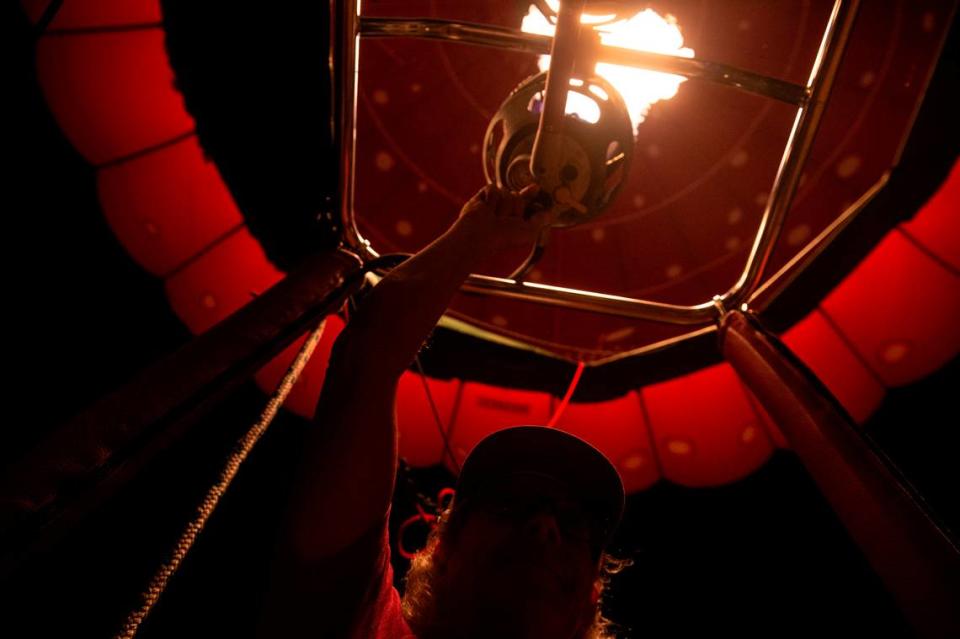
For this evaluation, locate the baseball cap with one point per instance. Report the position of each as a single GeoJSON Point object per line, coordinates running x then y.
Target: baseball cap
{"type": "Point", "coordinates": [583, 471]}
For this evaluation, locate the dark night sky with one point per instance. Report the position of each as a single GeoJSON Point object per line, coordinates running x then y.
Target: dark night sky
{"type": "Point", "coordinates": [763, 556]}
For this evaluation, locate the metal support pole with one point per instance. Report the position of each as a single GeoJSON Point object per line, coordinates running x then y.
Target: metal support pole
{"type": "Point", "coordinates": [914, 557]}
{"type": "Point", "coordinates": [344, 60]}
{"type": "Point", "coordinates": [90, 457]}
{"type": "Point", "coordinates": [798, 146]}
{"type": "Point", "coordinates": [544, 159]}
{"type": "Point", "coordinates": [486, 35]}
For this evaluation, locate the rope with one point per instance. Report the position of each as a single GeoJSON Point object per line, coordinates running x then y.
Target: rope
{"type": "Point", "coordinates": [436, 415]}
{"type": "Point", "coordinates": [162, 577]}
{"type": "Point", "coordinates": [566, 398]}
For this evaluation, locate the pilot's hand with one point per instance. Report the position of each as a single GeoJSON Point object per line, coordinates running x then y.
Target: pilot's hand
{"type": "Point", "coordinates": [502, 218]}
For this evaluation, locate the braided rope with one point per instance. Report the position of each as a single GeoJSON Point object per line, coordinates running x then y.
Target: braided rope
{"type": "Point", "coordinates": [162, 577]}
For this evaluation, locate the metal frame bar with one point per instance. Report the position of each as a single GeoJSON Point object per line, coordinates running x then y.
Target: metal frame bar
{"type": "Point", "coordinates": [805, 126]}
{"type": "Point", "coordinates": [777, 283]}
{"type": "Point", "coordinates": [513, 40]}
{"type": "Point", "coordinates": [589, 301]}
{"type": "Point", "coordinates": [911, 553]}
{"type": "Point", "coordinates": [544, 157]}
{"type": "Point", "coordinates": [344, 61]}
{"type": "Point", "coordinates": [809, 99]}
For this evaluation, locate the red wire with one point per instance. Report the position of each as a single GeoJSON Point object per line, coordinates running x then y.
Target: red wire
{"type": "Point", "coordinates": [436, 415]}
{"type": "Point", "coordinates": [443, 500]}
{"type": "Point", "coordinates": [566, 398]}
{"type": "Point", "coordinates": [421, 516]}
{"type": "Point", "coordinates": [444, 497]}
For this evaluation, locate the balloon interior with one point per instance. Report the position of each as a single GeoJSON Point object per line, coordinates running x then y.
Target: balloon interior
{"type": "Point", "coordinates": [707, 197]}
{"type": "Point", "coordinates": [677, 229]}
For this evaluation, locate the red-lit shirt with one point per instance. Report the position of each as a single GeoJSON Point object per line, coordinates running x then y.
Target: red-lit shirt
{"type": "Point", "coordinates": [357, 591]}
{"type": "Point", "coordinates": [347, 595]}
{"type": "Point", "coordinates": [380, 616]}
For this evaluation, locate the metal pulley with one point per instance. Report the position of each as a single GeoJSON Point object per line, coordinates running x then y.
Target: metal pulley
{"type": "Point", "coordinates": [594, 150]}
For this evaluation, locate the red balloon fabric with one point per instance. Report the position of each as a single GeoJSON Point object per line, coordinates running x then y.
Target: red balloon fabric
{"type": "Point", "coordinates": [713, 439]}
{"type": "Point", "coordinates": [220, 281]}
{"type": "Point", "coordinates": [899, 311]}
{"type": "Point", "coordinates": [935, 226]}
{"type": "Point", "coordinates": [620, 430]}
{"type": "Point", "coordinates": [303, 397]}
{"type": "Point", "coordinates": [681, 231]}
{"type": "Point", "coordinates": [425, 418]}
{"type": "Point", "coordinates": [167, 206]}
{"type": "Point", "coordinates": [112, 92]}
{"type": "Point", "coordinates": [824, 351]}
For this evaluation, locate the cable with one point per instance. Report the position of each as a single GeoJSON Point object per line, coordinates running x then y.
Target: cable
{"type": "Point", "coordinates": [444, 496]}
{"type": "Point", "coordinates": [566, 398]}
{"type": "Point", "coordinates": [436, 414]}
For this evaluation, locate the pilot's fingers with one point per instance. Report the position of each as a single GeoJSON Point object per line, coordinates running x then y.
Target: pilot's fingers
{"type": "Point", "coordinates": [504, 204]}
{"type": "Point", "coordinates": [492, 195]}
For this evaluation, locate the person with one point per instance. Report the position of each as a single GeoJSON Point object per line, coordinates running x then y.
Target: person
{"type": "Point", "coordinates": [519, 553]}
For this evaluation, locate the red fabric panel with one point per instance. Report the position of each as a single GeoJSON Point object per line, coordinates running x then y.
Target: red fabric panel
{"type": "Point", "coordinates": [936, 225]}
{"type": "Point", "coordinates": [486, 409]}
{"type": "Point", "coordinates": [704, 429]}
{"type": "Point", "coordinates": [617, 428]}
{"type": "Point", "coordinates": [75, 14]}
{"type": "Point", "coordinates": [900, 309]}
{"type": "Point", "coordinates": [111, 93]}
{"type": "Point", "coordinates": [220, 282]}
{"type": "Point", "coordinates": [304, 394]}
{"type": "Point", "coordinates": [166, 206]}
{"type": "Point", "coordinates": [419, 438]}
{"type": "Point", "coordinates": [765, 419]}
{"type": "Point", "coordinates": [827, 355]}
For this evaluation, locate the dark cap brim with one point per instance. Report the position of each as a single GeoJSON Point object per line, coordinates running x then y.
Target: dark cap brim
{"type": "Point", "coordinates": [581, 468]}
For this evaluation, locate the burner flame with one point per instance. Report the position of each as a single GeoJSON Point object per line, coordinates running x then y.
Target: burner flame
{"type": "Point", "coordinates": [645, 31]}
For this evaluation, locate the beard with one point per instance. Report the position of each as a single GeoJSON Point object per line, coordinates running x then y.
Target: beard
{"type": "Point", "coordinates": [510, 602]}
